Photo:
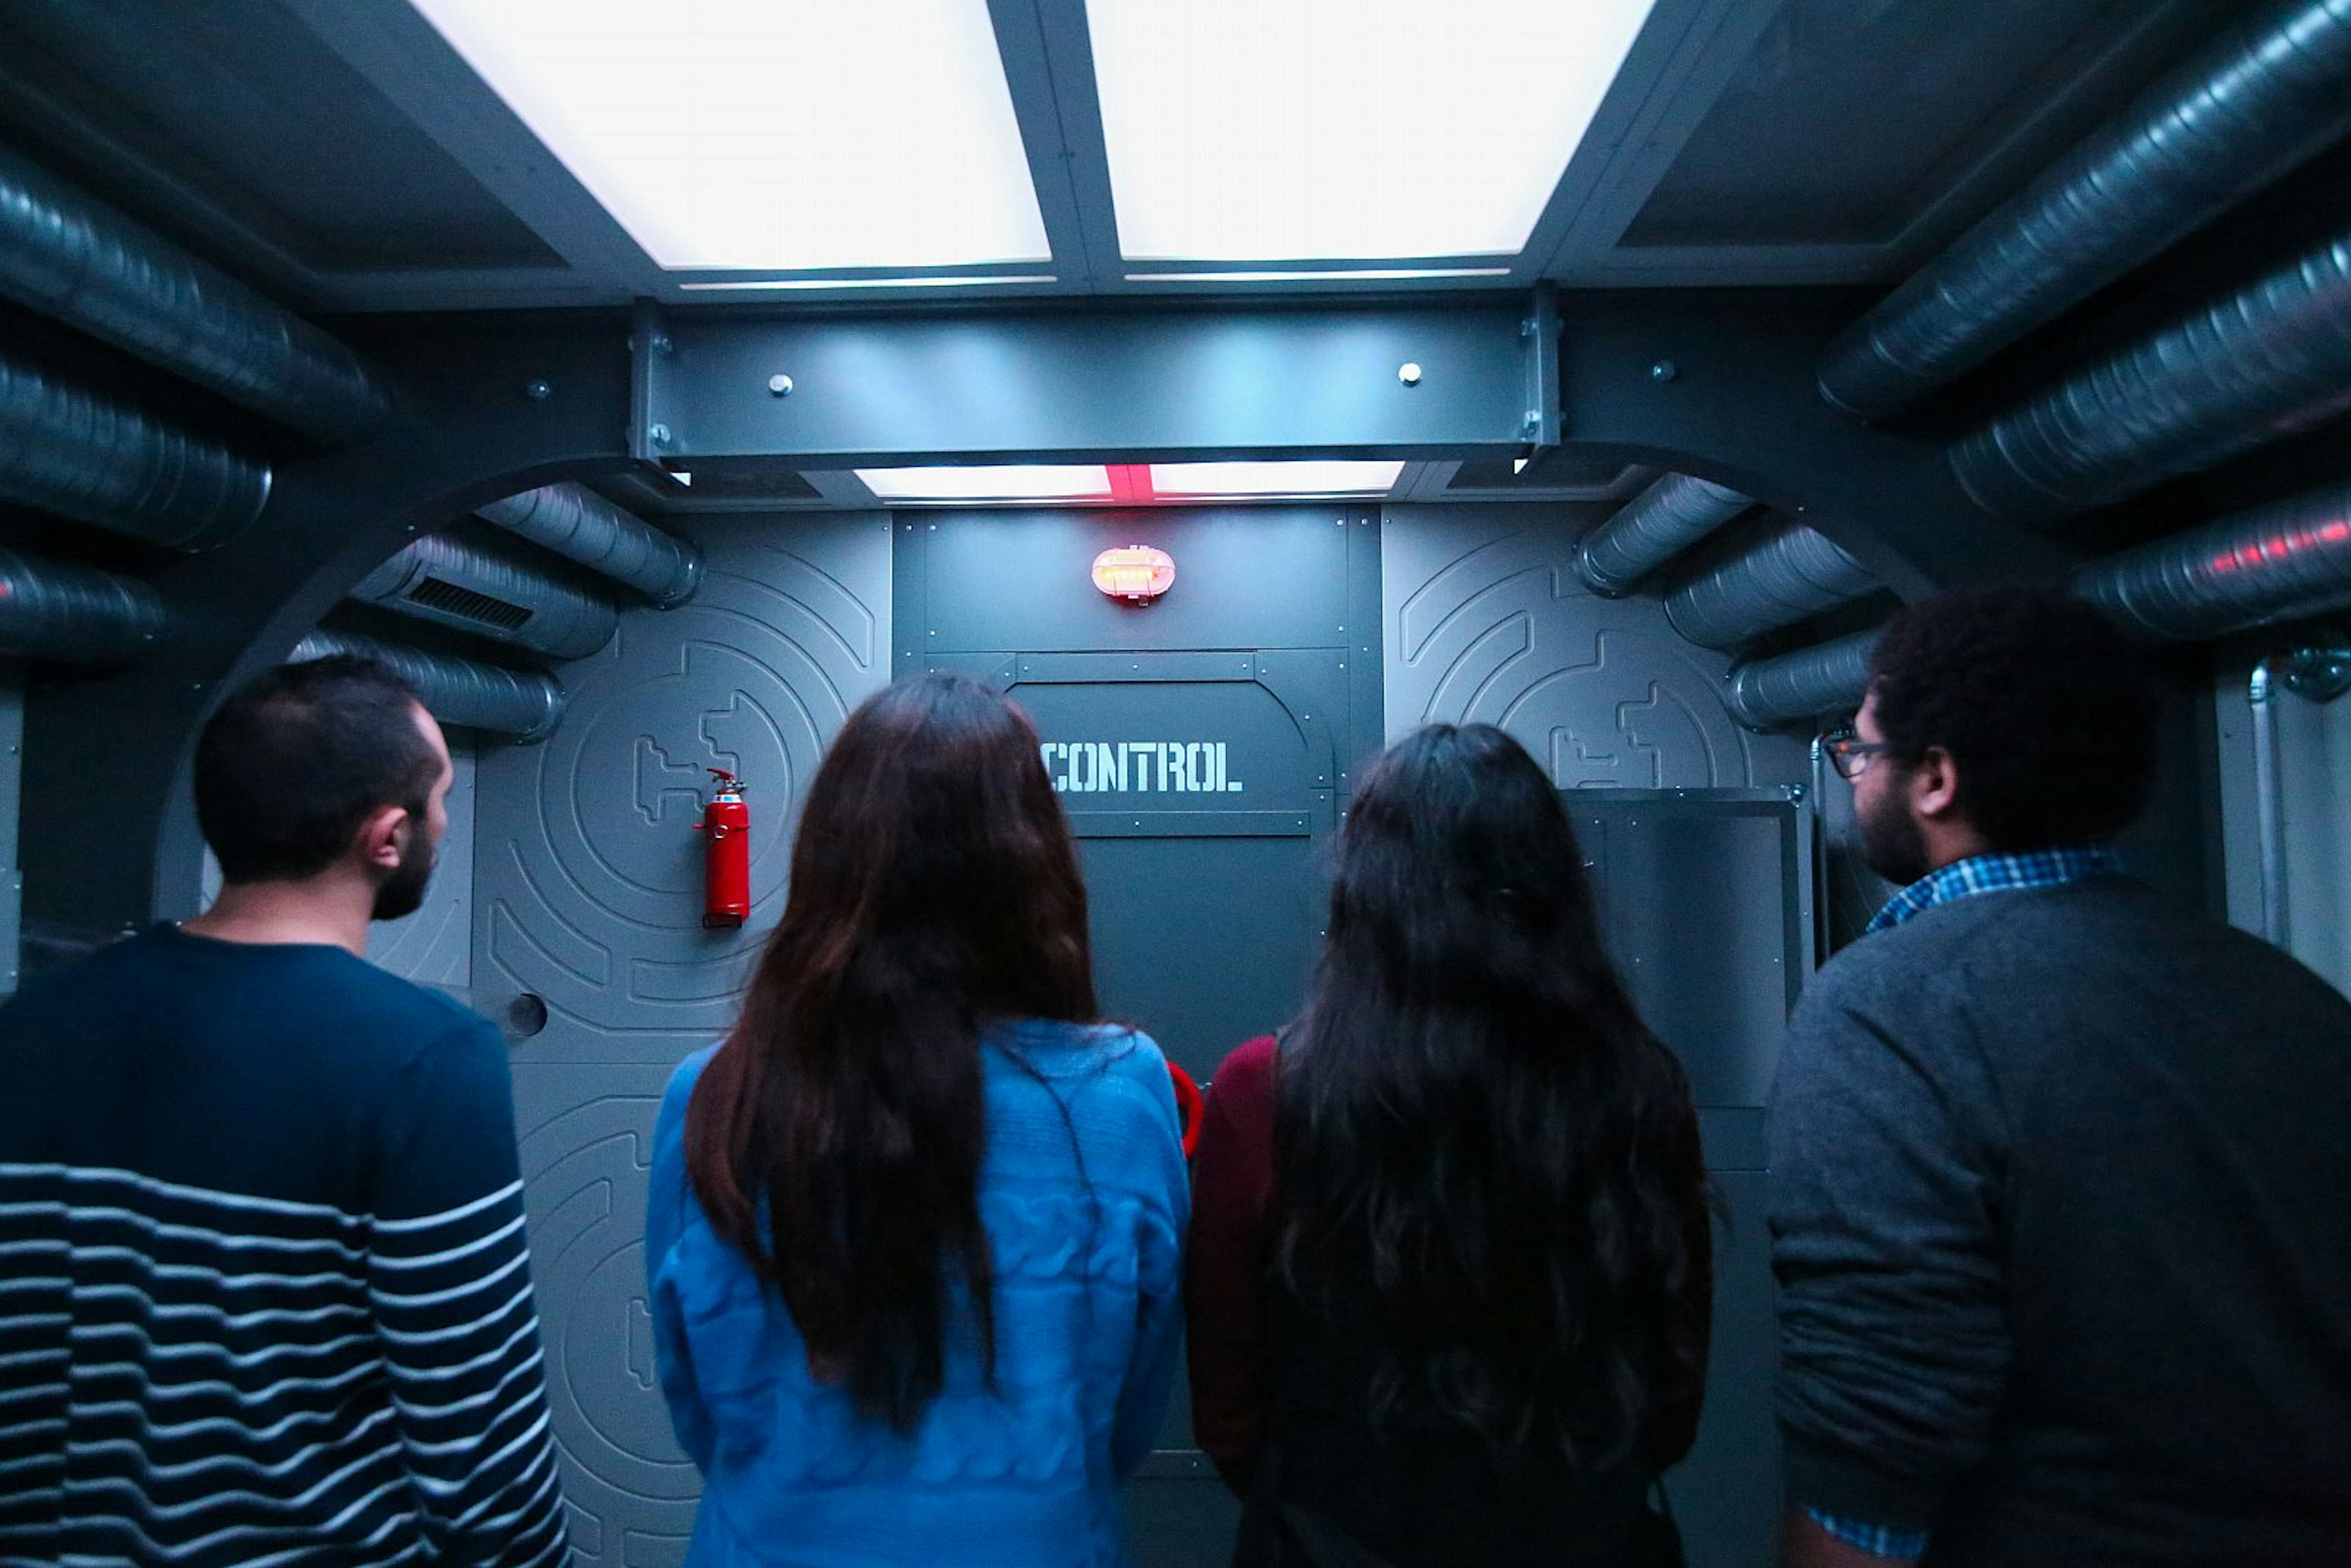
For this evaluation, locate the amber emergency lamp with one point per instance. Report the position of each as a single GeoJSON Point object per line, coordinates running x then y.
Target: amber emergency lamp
{"type": "Point", "coordinates": [1135, 573]}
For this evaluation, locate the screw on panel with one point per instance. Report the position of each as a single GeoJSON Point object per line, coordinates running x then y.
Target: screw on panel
{"type": "Point", "coordinates": [537, 391]}
{"type": "Point", "coordinates": [1533, 421]}
{"type": "Point", "coordinates": [781, 385]}
{"type": "Point", "coordinates": [1663, 371]}
{"type": "Point", "coordinates": [659, 435]}
{"type": "Point", "coordinates": [1408, 373]}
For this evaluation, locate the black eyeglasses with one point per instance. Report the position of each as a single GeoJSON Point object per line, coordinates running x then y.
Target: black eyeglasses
{"type": "Point", "coordinates": [1849, 754]}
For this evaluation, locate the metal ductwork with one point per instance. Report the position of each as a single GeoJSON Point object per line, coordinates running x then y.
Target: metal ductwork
{"type": "Point", "coordinates": [1652, 529]}
{"type": "Point", "coordinates": [68, 257]}
{"type": "Point", "coordinates": [523, 703]}
{"type": "Point", "coordinates": [80, 456]}
{"type": "Point", "coordinates": [2277, 562]}
{"type": "Point", "coordinates": [580, 525]}
{"type": "Point", "coordinates": [2271, 360]}
{"type": "Point", "coordinates": [2273, 90]}
{"type": "Point", "coordinates": [437, 579]}
{"type": "Point", "coordinates": [1789, 573]}
{"type": "Point", "coordinates": [1764, 694]}
{"type": "Point", "coordinates": [75, 615]}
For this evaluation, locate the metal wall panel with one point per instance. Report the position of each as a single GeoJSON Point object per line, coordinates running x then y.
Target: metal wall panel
{"type": "Point", "coordinates": [11, 801]}
{"type": "Point", "coordinates": [588, 896]}
{"type": "Point", "coordinates": [1486, 620]}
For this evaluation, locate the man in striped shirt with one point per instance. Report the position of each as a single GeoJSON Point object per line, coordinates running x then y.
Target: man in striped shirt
{"type": "Point", "coordinates": [264, 1292]}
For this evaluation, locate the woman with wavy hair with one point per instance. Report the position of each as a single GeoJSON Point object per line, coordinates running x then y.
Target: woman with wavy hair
{"type": "Point", "coordinates": [914, 1238]}
{"type": "Point", "coordinates": [1451, 1274]}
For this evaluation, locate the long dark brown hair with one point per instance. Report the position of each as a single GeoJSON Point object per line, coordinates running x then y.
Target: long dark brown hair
{"type": "Point", "coordinates": [1475, 1124]}
{"type": "Point", "coordinates": [934, 890]}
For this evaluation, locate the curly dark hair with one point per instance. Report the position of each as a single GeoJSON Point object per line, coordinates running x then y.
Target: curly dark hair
{"type": "Point", "coordinates": [2048, 711]}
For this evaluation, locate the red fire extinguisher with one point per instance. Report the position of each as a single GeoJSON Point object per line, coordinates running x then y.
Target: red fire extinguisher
{"type": "Point", "coordinates": [726, 854]}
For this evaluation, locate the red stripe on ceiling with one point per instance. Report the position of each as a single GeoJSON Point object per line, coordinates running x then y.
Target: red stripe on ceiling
{"type": "Point", "coordinates": [1130, 484]}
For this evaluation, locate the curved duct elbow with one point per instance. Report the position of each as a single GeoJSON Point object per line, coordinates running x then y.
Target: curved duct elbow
{"type": "Point", "coordinates": [1652, 529]}
{"type": "Point", "coordinates": [2273, 359]}
{"type": "Point", "coordinates": [2240, 114]}
{"type": "Point", "coordinates": [523, 703]}
{"type": "Point", "coordinates": [1790, 572]}
{"type": "Point", "coordinates": [2274, 563]}
{"type": "Point", "coordinates": [437, 579]}
{"type": "Point", "coordinates": [580, 525]}
{"type": "Point", "coordinates": [75, 615]}
{"type": "Point", "coordinates": [65, 452]}
{"type": "Point", "coordinates": [1765, 694]}
{"type": "Point", "coordinates": [70, 258]}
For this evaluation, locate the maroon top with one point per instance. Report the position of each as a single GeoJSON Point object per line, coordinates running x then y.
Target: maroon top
{"type": "Point", "coordinates": [1227, 1258]}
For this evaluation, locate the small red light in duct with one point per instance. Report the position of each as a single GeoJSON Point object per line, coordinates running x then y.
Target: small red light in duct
{"type": "Point", "coordinates": [1136, 573]}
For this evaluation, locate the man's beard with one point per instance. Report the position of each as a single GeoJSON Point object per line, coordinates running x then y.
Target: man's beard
{"type": "Point", "coordinates": [1891, 842]}
{"type": "Point", "coordinates": [402, 893]}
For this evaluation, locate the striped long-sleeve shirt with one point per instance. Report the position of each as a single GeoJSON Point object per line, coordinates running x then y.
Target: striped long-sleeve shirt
{"type": "Point", "coordinates": [264, 1292]}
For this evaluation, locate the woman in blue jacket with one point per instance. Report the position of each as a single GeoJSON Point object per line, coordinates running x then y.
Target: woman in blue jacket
{"type": "Point", "coordinates": [914, 1230]}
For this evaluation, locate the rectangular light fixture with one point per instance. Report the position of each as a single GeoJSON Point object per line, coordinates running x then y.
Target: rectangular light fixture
{"type": "Point", "coordinates": [1313, 478]}
{"type": "Point", "coordinates": [1304, 129]}
{"type": "Point", "coordinates": [934, 281]}
{"type": "Point", "coordinates": [991, 482]}
{"type": "Point", "coordinates": [1320, 274]}
{"type": "Point", "coordinates": [771, 134]}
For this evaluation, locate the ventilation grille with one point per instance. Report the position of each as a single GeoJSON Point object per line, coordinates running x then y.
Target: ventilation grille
{"type": "Point", "coordinates": [449, 599]}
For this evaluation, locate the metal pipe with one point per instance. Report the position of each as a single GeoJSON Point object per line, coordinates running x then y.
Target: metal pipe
{"type": "Point", "coordinates": [2260, 694]}
{"type": "Point", "coordinates": [80, 456]}
{"type": "Point", "coordinates": [523, 704]}
{"type": "Point", "coordinates": [2277, 562]}
{"type": "Point", "coordinates": [580, 524]}
{"type": "Point", "coordinates": [1651, 529]}
{"type": "Point", "coordinates": [2273, 359]}
{"type": "Point", "coordinates": [1789, 572]}
{"type": "Point", "coordinates": [437, 579]}
{"type": "Point", "coordinates": [75, 615]}
{"type": "Point", "coordinates": [68, 256]}
{"type": "Point", "coordinates": [1829, 677]}
{"type": "Point", "coordinates": [2269, 91]}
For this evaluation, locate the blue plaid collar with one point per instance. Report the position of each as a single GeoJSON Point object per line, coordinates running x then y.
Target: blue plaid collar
{"type": "Point", "coordinates": [1996, 874]}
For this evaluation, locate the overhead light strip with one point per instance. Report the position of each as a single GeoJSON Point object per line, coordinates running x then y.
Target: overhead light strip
{"type": "Point", "coordinates": [978, 281]}
{"type": "Point", "coordinates": [1335, 275]}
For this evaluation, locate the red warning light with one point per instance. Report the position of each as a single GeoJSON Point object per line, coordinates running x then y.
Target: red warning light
{"type": "Point", "coordinates": [1136, 573]}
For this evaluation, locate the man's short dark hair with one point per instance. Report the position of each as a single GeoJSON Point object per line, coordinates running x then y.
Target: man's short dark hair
{"type": "Point", "coordinates": [2048, 711]}
{"type": "Point", "coordinates": [294, 762]}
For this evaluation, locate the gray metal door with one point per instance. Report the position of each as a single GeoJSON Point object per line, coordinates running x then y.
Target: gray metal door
{"type": "Point", "coordinates": [588, 896]}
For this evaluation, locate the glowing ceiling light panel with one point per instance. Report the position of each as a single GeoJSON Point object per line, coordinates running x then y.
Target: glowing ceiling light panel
{"type": "Point", "coordinates": [991, 482]}
{"type": "Point", "coordinates": [771, 133]}
{"type": "Point", "coordinates": [1317, 478]}
{"type": "Point", "coordinates": [1294, 129]}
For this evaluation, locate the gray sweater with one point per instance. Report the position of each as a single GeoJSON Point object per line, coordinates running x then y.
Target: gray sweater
{"type": "Point", "coordinates": [2061, 1221]}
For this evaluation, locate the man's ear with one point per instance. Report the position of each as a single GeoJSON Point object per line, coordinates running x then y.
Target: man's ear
{"type": "Point", "coordinates": [1934, 785]}
{"type": "Point", "coordinates": [382, 835]}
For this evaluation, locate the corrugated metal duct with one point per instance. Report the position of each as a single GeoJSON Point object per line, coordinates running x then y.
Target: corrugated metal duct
{"type": "Point", "coordinates": [2271, 360]}
{"type": "Point", "coordinates": [75, 615]}
{"type": "Point", "coordinates": [2274, 563]}
{"type": "Point", "coordinates": [523, 703]}
{"type": "Point", "coordinates": [437, 579]}
{"type": "Point", "coordinates": [2269, 91]}
{"type": "Point", "coordinates": [1789, 573]}
{"type": "Point", "coordinates": [65, 452]}
{"type": "Point", "coordinates": [580, 525]}
{"type": "Point", "coordinates": [70, 258]}
{"type": "Point", "coordinates": [1653, 527]}
{"type": "Point", "coordinates": [1764, 694]}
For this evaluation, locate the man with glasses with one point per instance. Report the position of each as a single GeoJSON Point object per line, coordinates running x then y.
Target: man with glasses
{"type": "Point", "coordinates": [2062, 1185]}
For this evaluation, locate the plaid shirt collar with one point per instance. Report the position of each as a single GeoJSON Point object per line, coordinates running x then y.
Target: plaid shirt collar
{"type": "Point", "coordinates": [1996, 874]}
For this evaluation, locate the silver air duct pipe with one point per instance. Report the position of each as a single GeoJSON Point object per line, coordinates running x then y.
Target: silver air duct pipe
{"type": "Point", "coordinates": [1764, 694]}
{"type": "Point", "coordinates": [2274, 563]}
{"type": "Point", "coordinates": [1652, 529]}
{"type": "Point", "coordinates": [2273, 359]}
{"type": "Point", "coordinates": [523, 703]}
{"type": "Point", "coordinates": [437, 579]}
{"type": "Point", "coordinates": [75, 615]}
{"type": "Point", "coordinates": [66, 256]}
{"type": "Point", "coordinates": [65, 452]}
{"type": "Point", "coordinates": [580, 525]}
{"type": "Point", "coordinates": [1790, 572]}
{"type": "Point", "coordinates": [2273, 90]}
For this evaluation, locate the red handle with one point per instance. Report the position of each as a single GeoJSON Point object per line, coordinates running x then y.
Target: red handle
{"type": "Point", "coordinates": [1188, 1105]}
